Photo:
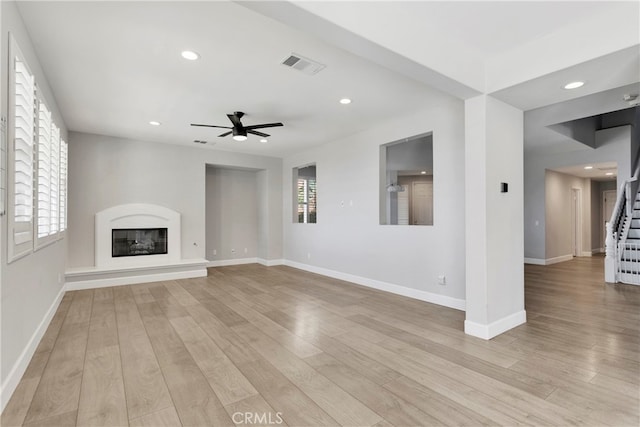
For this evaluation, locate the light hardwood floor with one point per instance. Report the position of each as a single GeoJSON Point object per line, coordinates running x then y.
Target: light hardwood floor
{"type": "Point", "coordinates": [279, 346]}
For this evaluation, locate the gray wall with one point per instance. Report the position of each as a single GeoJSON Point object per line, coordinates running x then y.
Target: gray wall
{"type": "Point", "coordinates": [348, 237]}
{"type": "Point", "coordinates": [106, 171]}
{"type": "Point", "coordinates": [29, 285]}
{"type": "Point", "coordinates": [232, 213]}
{"type": "Point", "coordinates": [613, 145]}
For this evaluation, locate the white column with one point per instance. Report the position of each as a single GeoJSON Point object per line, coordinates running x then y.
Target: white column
{"type": "Point", "coordinates": [494, 224]}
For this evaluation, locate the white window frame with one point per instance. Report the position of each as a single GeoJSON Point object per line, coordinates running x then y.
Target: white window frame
{"type": "Point", "coordinates": [20, 233]}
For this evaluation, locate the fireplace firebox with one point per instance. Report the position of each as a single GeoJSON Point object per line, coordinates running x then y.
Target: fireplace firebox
{"type": "Point", "coordinates": [127, 242]}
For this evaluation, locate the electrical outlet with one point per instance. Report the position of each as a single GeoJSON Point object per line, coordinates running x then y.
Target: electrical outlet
{"type": "Point", "coordinates": [442, 280]}
{"type": "Point", "coordinates": [308, 255]}
{"type": "Point", "coordinates": [215, 252]}
{"type": "Point", "coordinates": [233, 251]}
{"type": "Point", "coordinates": [246, 250]}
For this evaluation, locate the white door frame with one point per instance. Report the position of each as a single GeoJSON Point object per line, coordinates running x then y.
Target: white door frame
{"type": "Point", "coordinates": [576, 221]}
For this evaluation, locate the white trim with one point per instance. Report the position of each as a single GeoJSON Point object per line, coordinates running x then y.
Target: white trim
{"type": "Point", "coordinates": [495, 328]}
{"type": "Point", "coordinates": [586, 253]}
{"type": "Point", "coordinates": [443, 300]}
{"type": "Point", "coordinates": [270, 262]}
{"type": "Point", "coordinates": [236, 261]}
{"type": "Point", "coordinates": [558, 259]}
{"type": "Point", "coordinates": [549, 261]}
{"type": "Point", "coordinates": [240, 261]}
{"type": "Point", "coordinates": [19, 368]}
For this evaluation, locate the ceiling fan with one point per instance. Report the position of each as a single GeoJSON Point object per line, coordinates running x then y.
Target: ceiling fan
{"type": "Point", "coordinates": [239, 130]}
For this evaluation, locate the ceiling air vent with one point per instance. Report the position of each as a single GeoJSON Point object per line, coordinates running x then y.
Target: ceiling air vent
{"type": "Point", "coordinates": [300, 63]}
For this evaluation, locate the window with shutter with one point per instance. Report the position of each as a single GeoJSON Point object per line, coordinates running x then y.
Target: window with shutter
{"type": "Point", "coordinates": [55, 180]}
{"type": "Point", "coordinates": [44, 171]}
{"type": "Point", "coordinates": [64, 161]}
{"type": "Point", "coordinates": [21, 126]}
{"type": "Point", "coordinates": [305, 191]}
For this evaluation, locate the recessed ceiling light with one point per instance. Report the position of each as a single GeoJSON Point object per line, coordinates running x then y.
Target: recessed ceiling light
{"type": "Point", "coordinates": [574, 85]}
{"type": "Point", "coordinates": [264, 140]}
{"type": "Point", "coordinates": [588, 167]}
{"type": "Point", "coordinates": [239, 137]}
{"type": "Point", "coordinates": [423, 172]}
{"type": "Point", "coordinates": [190, 55]}
{"type": "Point", "coordinates": [345, 101]}
{"type": "Point", "coordinates": [609, 173]}
{"type": "Point", "coordinates": [154, 123]}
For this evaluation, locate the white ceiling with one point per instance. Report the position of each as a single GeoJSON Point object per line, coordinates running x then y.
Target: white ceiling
{"type": "Point", "coordinates": [597, 172]}
{"type": "Point", "coordinates": [114, 66]}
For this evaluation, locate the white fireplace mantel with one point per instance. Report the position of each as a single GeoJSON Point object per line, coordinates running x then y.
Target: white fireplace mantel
{"type": "Point", "coordinates": [137, 215]}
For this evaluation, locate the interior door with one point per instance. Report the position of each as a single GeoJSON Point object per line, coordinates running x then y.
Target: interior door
{"type": "Point", "coordinates": [422, 203]}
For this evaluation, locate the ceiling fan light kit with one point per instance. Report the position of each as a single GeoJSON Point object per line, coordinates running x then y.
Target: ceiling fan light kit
{"type": "Point", "coordinates": [240, 131]}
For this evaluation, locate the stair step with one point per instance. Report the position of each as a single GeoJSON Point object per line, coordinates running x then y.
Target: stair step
{"type": "Point", "coordinates": [634, 233]}
{"type": "Point", "coordinates": [635, 223]}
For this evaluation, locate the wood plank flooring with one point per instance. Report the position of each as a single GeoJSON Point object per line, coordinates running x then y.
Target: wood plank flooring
{"type": "Point", "coordinates": [251, 345]}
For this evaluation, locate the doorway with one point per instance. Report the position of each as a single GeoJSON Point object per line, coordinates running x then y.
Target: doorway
{"type": "Point", "coordinates": [576, 221]}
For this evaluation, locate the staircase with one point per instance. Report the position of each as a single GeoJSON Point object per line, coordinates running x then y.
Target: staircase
{"type": "Point", "coordinates": [629, 250]}
{"type": "Point", "coordinates": [622, 260]}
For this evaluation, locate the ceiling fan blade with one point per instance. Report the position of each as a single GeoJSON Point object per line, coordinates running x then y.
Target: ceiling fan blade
{"type": "Point", "coordinates": [235, 118]}
{"type": "Point", "coordinates": [255, 132]}
{"type": "Point", "coordinates": [264, 125]}
{"type": "Point", "coordinates": [211, 126]}
{"type": "Point", "coordinates": [225, 134]}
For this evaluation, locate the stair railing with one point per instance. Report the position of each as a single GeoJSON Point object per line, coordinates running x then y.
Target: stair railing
{"type": "Point", "coordinates": [618, 226]}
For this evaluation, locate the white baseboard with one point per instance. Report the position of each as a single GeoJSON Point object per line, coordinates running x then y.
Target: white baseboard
{"type": "Point", "coordinates": [458, 304]}
{"type": "Point", "coordinates": [495, 328]}
{"type": "Point", "coordinates": [270, 262]}
{"type": "Point", "coordinates": [240, 261]}
{"type": "Point", "coordinates": [549, 261]}
{"type": "Point", "coordinates": [19, 368]}
{"type": "Point", "coordinates": [237, 261]}
{"type": "Point", "coordinates": [558, 259]}
{"type": "Point", "coordinates": [586, 253]}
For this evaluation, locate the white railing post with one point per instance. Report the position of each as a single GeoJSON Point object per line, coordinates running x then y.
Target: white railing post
{"type": "Point", "coordinates": [610, 255]}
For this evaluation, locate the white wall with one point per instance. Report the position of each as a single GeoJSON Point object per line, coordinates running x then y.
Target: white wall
{"type": "Point", "coordinates": [558, 219]}
{"type": "Point", "coordinates": [231, 213]}
{"type": "Point", "coordinates": [106, 171]}
{"type": "Point", "coordinates": [613, 145]}
{"type": "Point", "coordinates": [30, 285]}
{"type": "Point", "coordinates": [348, 237]}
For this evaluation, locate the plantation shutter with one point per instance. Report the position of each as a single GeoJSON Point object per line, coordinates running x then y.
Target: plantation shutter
{"type": "Point", "coordinates": [64, 171]}
{"type": "Point", "coordinates": [44, 171]}
{"type": "Point", "coordinates": [55, 180]}
{"type": "Point", "coordinates": [23, 113]}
